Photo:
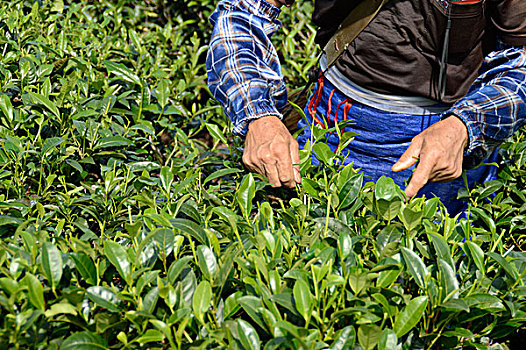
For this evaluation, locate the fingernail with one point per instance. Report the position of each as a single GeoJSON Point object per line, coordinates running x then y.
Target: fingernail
{"type": "Point", "coordinates": [297, 177]}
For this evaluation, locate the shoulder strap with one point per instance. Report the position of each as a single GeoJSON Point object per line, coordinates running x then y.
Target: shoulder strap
{"type": "Point", "coordinates": [351, 27]}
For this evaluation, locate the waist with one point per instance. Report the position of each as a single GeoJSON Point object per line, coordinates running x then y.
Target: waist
{"type": "Point", "coordinates": [416, 105]}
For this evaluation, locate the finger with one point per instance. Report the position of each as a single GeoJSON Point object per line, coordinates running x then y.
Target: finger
{"type": "Point", "coordinates": [409, 157]}
{"type": "Point", "coordinates": [272, 174]}
{"type": "Point", "coordinates": [285, 172]}
{"type": "Point", "coordinates": [420, 176]}
{"type": "Point", "coordinates": [251, 165]}
{"type": "Point", "coordinates": [446, 175]}
{"type": "Point", "coordinates": [295, 155]}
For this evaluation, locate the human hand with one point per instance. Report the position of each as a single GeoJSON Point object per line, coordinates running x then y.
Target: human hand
{"type": "Point", "coordinates": [271, 150]}
{"type": "Point", "coordinates": [439, 151]}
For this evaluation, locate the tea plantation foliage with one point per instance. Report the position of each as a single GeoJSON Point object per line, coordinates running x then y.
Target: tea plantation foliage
{"type": "Point", "coordinates": [128, 221]}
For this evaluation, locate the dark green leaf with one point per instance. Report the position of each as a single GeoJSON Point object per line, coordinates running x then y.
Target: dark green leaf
{"type": "Point", "coordinates": [163, 92]}
{"type": "Point", "coordinates": [150, 336]}
{"type": "Point", "coordinates": [202, 299]}
{"type": "Point", "coordinates": [476, 254]}
{"type": "Point", "coordinates": [510, 269]}
{"type": "Point", "coordinates": [104, 297]}
{"type": "Point", "coordinates": [410, 316]}
{"type": "Point", "coordinates": [36, 291]}
{"type": "Point", "coordinates": [116, 254]}
{"type": "Point", "coordinates": [248, 335]}
{"type": "Point", "coordinates": [245, 195]}
{"type": "Point", "coordinates": [85, 267]}
{"type": "Point", "coordinates": [191, 228]}
{"type": "Point", "coordinates": [323, 153]}
{"type": "Point", "coordinates": [369, 335]}
{"type": "Point", "coordinates": [177, 267]}
{"type": "Point", "coordinates": [345, 340]}
{"type": "Point", "coordinates": [84, 341]}
{"type": "Point", "coordinates": [303, 299]}
{"type": "Point", "coordinates": [207, 262]}
{"type": "Point", "coordinates": [52, 263]}
{"type": "Point", "coordinates": [388, 340]}
{"type": "Point", "coordinates": [44, 101]}
{"type": "Point", "coordinates": [216, 134]}
{"type": "Point", "coordinates": [449, 282]}
{"type": "Point", "coordinates": [113, 141]}
{"type": "Point", "coordinates": [122, 72]}
{"type": "Point", "coordinates": [220, 173]}
{"type": "Point", "coordinates": [442, 249]}
{"type": "Point", "coordinates": [415, 266]}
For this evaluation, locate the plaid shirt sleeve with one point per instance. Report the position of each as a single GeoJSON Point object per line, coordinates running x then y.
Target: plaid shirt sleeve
{"type": "Point", "coordinates": [243, 68]}
{"type": "Point", "coordinates": [495, 106]}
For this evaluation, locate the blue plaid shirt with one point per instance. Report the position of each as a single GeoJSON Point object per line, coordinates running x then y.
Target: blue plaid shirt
{"type": "Point", "coordinates": [244, 74]}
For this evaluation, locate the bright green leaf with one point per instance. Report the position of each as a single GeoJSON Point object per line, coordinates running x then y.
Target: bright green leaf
{"type": "Point", "coordinates": [410, 315]}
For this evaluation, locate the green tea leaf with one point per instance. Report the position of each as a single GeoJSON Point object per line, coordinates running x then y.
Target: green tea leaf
{"type": "Point", "coordinates": [369, 335]}
{"type": "Point", "coordinates": [44, 101]}
{"type": "Point", "coordinates": [323, 153]}
{"type": "Point", "coordinates": [350, 190]}
{"type": "Point", "coordinates": [85, 267]}
{"type": "Point", "coordinates": [460, 332]}
{"type": "Point", "coordinates": [201, 300]}
{"type": "Point", "coordinates": [388, 340]}
{"type": "Point", "coordinates": [448, 280]}
{"type": "Point", "coordinates": [84, 341]}
{"type": "Point", "coordinates": [207, 262]}
{"type": "Point", "coordinates": [36, 291]}
{"type": "Point", "coordinates": [510, 269]}
{"type": "Point", "coordinates": [104, 297]}
{"type": "Point", "coordinates": [344, 245]}
{"type": "Point", "coordinates": [62, 308]}
{"type": "Point", "coordinates": [476, 254]}
{"type": "Point", "coordinates": [112, 141]}
{"type": "Point", "coordinates": [52, 263]}
{"type": "Point", "coordinates": [303, 299]}
{"type": "Point", "coordinates": [442, 249]}
{"type": "Point", "coordinates": [387, 201]}
{"type": "Point", "coordinates": [248, 336]}
{"type": "Point", "coordinates": [220, 173]}
{"type": "Point", "coordinates": [410, 316]}
{"type": "Point", "coordinates": [163, 92]}
{"type": "Point", "coordinates": [245, 195]}
{"type": "Point", "coordinates": [122, 72]}
{"type": "Point", "coordinates": [9, 220]}
{"type": "Point", "coordinates": [191, 228]}
{"type": "Point", "coordinates": [116, 254]}
{"type": "Point", "coordinates": [415, 266]}
{"type": "Point", "coordinates": [410, 218]}
{"type": "Point", "coordinates": [177, 267]}
{"type": "Point", "coordinates": [150, 336]}
{"type": "Point", "coordinates": [167, 178]}
{"type": "Point", "coordinates": [216, 134]}
{"type": "Point", "coordinates": [51, 143]}
{"type": "Point", "coordinates": [6, 107]}
{"type": "Point", "coordinates": [150, 300]}
{"type": "Point", "coordinates": [345, 340]}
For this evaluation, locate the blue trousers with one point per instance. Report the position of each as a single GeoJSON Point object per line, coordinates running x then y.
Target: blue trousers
{"type": "Point", "coordinates": [382, 137]}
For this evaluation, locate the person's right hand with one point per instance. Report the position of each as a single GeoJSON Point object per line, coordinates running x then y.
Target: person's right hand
{"type": "Point", "coordinates": [271, 150]}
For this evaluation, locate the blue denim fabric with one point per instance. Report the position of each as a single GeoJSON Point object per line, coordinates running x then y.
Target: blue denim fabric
{"type": "Point", "coordinates": [382, 138]}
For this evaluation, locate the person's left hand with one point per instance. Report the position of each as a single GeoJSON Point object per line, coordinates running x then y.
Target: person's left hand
{"type": "Point", "coordinates": [439, 151]}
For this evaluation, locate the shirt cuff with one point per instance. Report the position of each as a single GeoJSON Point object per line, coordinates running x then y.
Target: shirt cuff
{"type": "Point", "coordinates": [478, 147]}
{"type": "Point", "coordinates": [256, 112]}
{"type": "Point", "coordinates": [259, 8]}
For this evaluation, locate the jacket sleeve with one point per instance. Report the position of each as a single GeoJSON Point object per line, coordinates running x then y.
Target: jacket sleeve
{"type": "Point", "coordinates": [244, 73]}
{"type": "Point", "coordinates": [495, 106]}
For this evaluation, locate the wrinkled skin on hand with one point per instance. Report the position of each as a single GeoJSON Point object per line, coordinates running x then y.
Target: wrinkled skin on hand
{"type": "Point", "coordinates": [439, 151]}
{"type": "Point", "coordinates": [271, 150]}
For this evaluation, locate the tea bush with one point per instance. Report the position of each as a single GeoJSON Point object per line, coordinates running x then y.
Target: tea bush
{"type": "Point", "coordinates": [128, 221]}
